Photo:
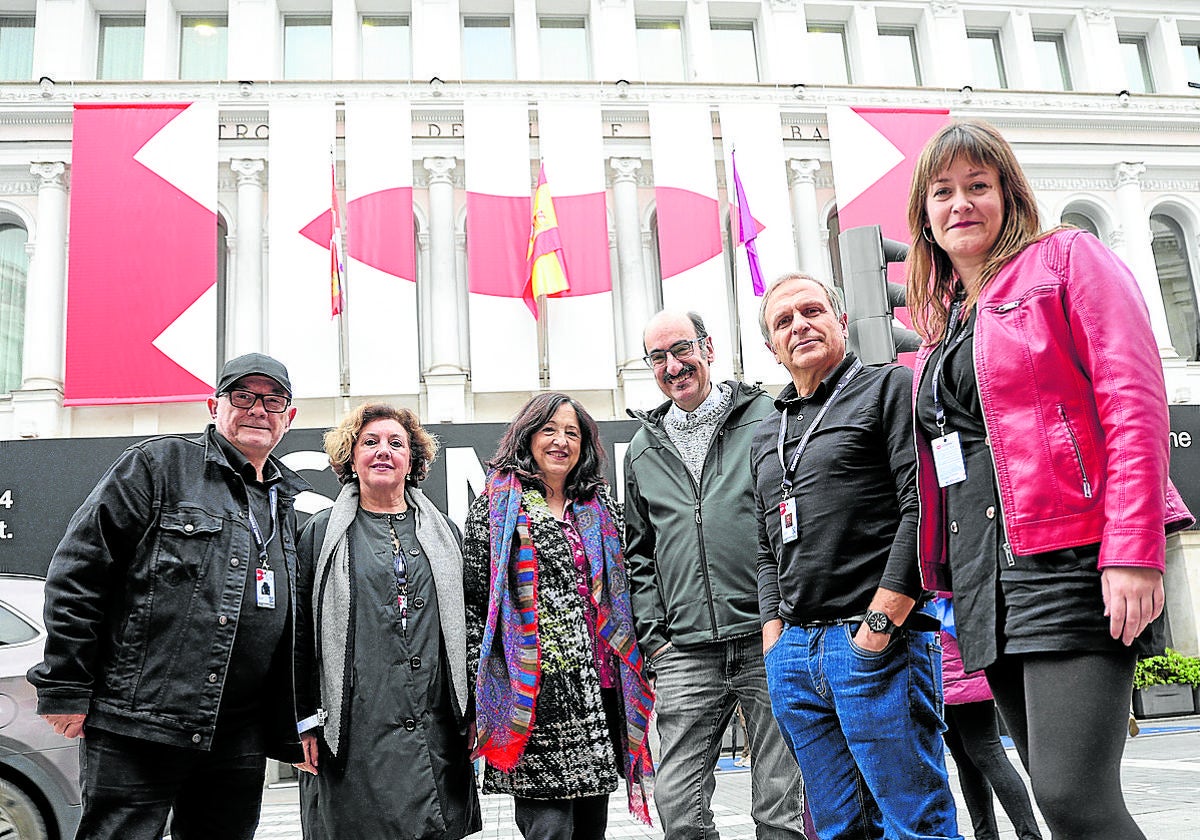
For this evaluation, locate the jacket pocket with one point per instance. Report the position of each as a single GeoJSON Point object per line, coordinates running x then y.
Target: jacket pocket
{"type": "Point", "coordinates": [1076, 453]}
{"type": "Point", "coordinates": [186, 539]}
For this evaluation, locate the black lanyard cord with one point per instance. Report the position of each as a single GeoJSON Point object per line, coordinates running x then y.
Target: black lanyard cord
{"type": "Point", "coordinates": [789, 469]}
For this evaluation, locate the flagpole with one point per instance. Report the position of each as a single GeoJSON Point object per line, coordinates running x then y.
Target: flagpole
{"type": "Point", "coordinates": [342, 326]}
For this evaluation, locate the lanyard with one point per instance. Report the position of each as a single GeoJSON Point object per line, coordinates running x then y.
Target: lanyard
{"type": "Point", "coordinates": [789, 469]}
{"type": "Point", "coordinates": [951, 329]}
{"type": "Point", "coordinates": [273, 497]}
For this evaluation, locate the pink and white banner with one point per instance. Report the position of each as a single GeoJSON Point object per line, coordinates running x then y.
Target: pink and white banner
{"type": "Point", "coordinates": [300, 331]}
{"type": "Point", "coordinates": [874, 153]}
{"type": "Point", "coordinates": [570, 140]}
{"type": "Point", "coordinates": [141, 301]}
{"type": "Point", "coordinates": [503, 333]}
{"type": "Point", "coordinates": [755, 131]}
{"type": "Point", "coordinates": [383, 323]}
{"type": "Point", "coordinates": [689, 220]}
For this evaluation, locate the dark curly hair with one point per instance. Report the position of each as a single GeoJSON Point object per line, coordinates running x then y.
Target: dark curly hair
{"type": "Point", "coordinates": [514, 454]}
{"type": "Point", "coordinates": [339, 441]}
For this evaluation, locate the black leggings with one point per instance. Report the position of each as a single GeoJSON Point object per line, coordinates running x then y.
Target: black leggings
{"type": "Point", "coordinates": [974, 741]}
{"type": "Point", "coordinates": [1068, 715]}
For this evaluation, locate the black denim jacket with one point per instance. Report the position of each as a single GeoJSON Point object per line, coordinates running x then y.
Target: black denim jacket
{"type": "Point", "coordinates": [144, 593]}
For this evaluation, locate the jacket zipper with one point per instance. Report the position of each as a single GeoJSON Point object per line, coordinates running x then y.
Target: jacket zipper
{"type": "Point", "coordinates": [1087, 485]}
{"type": "Point", "coordinates": [1008, 552]}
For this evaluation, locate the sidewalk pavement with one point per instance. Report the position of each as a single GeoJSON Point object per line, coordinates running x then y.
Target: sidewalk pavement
{"type": "Point", "coordinates": [1160, 772]}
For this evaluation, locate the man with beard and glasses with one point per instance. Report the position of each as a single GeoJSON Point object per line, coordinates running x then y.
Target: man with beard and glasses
{"type": "Point", "coordinates": [691, 537]}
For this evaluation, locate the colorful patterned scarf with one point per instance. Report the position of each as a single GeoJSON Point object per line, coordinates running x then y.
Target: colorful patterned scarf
{"type": "Point", "coordinates": [507, 685]}
{"type": "Point", "coordinates": [509, 672]}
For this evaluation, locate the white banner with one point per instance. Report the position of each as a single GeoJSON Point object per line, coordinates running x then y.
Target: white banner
{"type": "Point", "coordinates": [300, 330]}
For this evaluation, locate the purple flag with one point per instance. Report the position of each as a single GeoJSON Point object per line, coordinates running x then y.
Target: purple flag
{"type": "Point", "coordinates": [747, 230]}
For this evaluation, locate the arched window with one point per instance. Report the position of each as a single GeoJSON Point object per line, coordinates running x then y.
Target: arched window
{"type": "Point", "coordinates": [1081, 221]}
{"type": "Point", "coordinates": [1178, 288]}
{"type": "Point", "coordinates": [14, 269]}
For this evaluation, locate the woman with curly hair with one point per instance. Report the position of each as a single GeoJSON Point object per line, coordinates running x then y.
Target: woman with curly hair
{"type": "Point", "coordinates": [382, 638]}
{"type": "Point", "coordinates": [562, 704]}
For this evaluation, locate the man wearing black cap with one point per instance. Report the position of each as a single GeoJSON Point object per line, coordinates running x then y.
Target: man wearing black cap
{"type": "Point", "coordinates": [169, 614]}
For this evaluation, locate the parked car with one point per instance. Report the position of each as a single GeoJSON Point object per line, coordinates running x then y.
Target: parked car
{"type": "Point", "coordinates": [39, 770]}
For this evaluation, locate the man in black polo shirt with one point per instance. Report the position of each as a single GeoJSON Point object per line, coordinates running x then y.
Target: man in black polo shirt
{"type": "Point", "coordinates": [853, 666]}
{"type": "Point", "coordinates": [169, 616]}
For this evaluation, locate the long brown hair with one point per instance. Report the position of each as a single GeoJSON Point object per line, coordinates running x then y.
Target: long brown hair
{"type": "Point", "coordinates": [514, 453]}
{"type": "Point", "coordinates": [930, 274]}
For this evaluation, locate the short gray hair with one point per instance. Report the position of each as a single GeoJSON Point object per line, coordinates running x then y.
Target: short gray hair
{"type": "Point", "coordinates": [832, 293]}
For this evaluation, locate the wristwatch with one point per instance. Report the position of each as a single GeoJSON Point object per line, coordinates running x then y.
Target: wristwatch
{"type": "Point", "coordinates": [879, 622]}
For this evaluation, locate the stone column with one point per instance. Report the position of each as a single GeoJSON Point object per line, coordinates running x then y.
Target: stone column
{"type": "Point", "coordinates": [635, 309]}
{"type": "Point", "coordinates": [37, 405]}
{"type": "Point", "coordinates": [248, 323]}
{"type": "Point", "coordinates": [806, 216]}
{"type": "Point", "coordinates": [638, 388]}
{"type": "Point", "coordinates": [1138, 253]}
{"type": "Point", "coordinates": [445, 377]}
{"type": "Point", "coordinates": [45, 292]}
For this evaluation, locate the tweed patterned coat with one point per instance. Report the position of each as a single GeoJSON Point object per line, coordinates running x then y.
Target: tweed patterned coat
{"type": "Point", "coordinates": [570, 752]}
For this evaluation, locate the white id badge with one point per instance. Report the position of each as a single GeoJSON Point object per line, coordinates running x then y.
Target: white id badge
{"type": "Point", "coordinates": [787, 520]}
{"type": "Point", "coordinates": [948, 460]}
{"type": "Point", "coordinates": [264, 588]}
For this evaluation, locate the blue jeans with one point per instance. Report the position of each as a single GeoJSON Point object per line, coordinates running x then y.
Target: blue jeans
{"type": "Point", "coordinates": [867, 730]}
{"type": "Point", "coordinates": [697, 689]}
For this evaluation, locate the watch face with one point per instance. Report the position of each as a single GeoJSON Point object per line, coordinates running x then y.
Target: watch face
{"type": "Point", "coordinates": [878, 621]}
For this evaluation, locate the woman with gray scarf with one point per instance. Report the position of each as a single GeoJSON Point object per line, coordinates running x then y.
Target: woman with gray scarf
{"type": "Point", "coordinates": [381, 629]}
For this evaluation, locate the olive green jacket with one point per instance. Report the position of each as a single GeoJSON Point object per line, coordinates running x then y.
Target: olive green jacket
{"type": "Point", "coordinates": [691, 547]}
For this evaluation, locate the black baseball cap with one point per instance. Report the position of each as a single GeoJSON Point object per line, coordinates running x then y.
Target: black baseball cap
{"type": "Point", "coordinates": [253, 364]}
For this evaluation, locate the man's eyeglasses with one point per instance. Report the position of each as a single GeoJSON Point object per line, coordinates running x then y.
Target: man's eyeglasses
{"type": "Point", "coordinates": [681, 350]}
{"type": "Point", "coordinates": [272, 403]}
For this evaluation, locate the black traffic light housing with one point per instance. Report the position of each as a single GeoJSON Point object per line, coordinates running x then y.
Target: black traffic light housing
{"type": "Point", "coordinates": [870, 297]}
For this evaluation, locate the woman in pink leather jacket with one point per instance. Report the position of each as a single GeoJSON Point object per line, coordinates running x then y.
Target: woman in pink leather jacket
{"type": "Point", "coordinates": [1042, 440]}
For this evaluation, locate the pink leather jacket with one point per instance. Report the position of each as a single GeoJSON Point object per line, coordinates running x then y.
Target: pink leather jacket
{"type": "Point", "coordinates": [1074, 403]}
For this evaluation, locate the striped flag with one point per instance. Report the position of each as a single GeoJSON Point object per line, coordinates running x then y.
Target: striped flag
{"type": "Point", "coordinates": [547, 275]}
{"type": "Point", "coordinates": [337, 291]}
{"type": "Point", "coordinates": [747, 230]}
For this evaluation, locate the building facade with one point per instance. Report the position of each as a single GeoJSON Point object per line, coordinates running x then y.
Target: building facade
{"type": "Point", "coordinates": [636, 101]}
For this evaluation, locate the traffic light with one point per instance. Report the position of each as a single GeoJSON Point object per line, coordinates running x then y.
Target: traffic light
{"type": "Point", "coordinates": [871, 297]}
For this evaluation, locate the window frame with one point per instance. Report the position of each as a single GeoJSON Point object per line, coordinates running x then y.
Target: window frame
{"type": "Point", "coordinates": [657, 22]}
{"type": "Point", "coordinates": [909, 33]}
{"type": "Point", "coordinates": [1190, 44]}
{"type": "Point", "coordinates": [12, 22]}
{"type": "Point", "coordinates": [1059, 40]}
{"type": "Point", "coordinates": [994, 36]}
{"type": "Point", "coordinates": [473, 22]}
{"type": "Point", "coordinates": [826, 27]}
{"type": "Point", "coordinates": [290, 20]}
{"type": "Point", "coordinates": [183, 24]}
{"type": "Point", "coordinates": [118, 21]}
{"type": "Point", "coordinates": [1143, 52]}
{"type": "Point", "coordinates": [589, 71]}
{"type": "Point", "coordinates": [392, 20]}
{"type": "Point", "coordinates": [750, 26]}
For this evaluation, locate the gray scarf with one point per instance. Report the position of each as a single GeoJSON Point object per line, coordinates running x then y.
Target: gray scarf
{"type": "Point", "coordinates": [332, 588]}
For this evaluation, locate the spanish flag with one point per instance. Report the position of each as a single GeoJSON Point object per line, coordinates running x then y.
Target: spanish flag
{"type": "Point", "coordinates": [546, 266]}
